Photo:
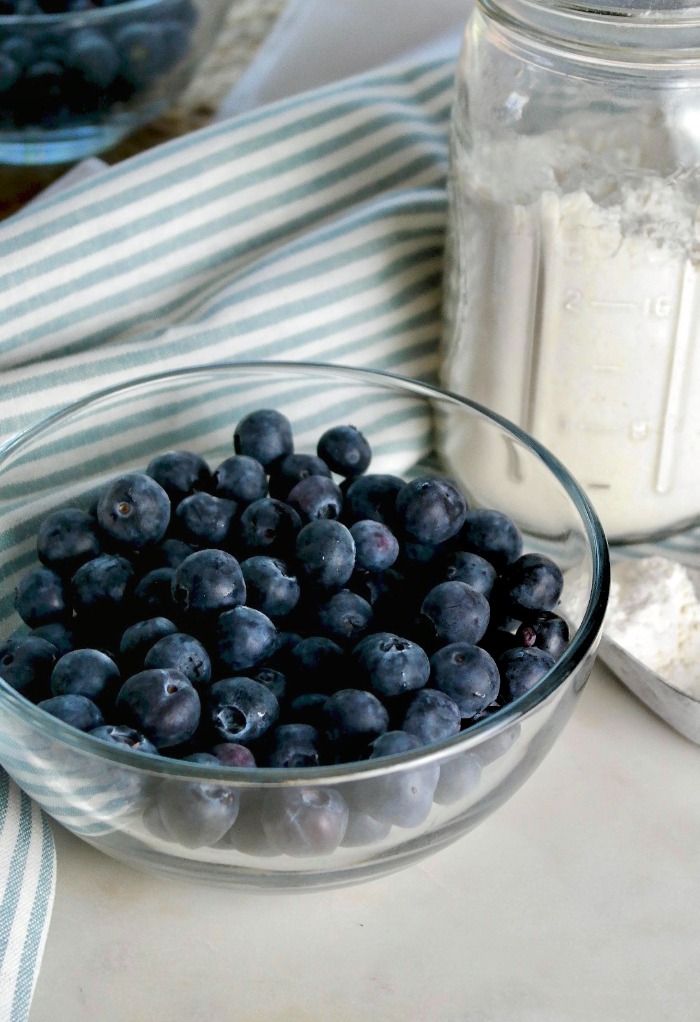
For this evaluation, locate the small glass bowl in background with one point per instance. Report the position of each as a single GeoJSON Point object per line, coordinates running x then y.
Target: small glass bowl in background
{"type": "Point", "coordinates": [74, 83]}
{"type": "Point", "coordinates": [280, 828]}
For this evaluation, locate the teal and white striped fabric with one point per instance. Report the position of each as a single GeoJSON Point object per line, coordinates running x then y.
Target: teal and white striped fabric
{"type": "Point", "coordinates": [310, 230]}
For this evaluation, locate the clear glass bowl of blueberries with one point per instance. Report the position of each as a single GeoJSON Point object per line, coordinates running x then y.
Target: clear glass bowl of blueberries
{"type": "Point", "coordinates": [284, 625]}
{"type": "Point", "coordinates": [77, 76]}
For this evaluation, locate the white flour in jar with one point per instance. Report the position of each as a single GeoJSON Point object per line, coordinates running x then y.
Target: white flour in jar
{"type": "Point", "coordinates": [573, 308]}
{"type": "Point", "coordinates": [654, 614]}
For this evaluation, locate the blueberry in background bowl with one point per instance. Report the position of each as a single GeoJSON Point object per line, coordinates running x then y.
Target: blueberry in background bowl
{"type": "Point", "coordinates": [76, 76]}
{"type": "Point", "coordinates": [189, 802]}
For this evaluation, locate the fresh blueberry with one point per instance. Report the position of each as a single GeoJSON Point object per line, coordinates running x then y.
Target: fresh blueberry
{"type": "Point", "coordinates": [373, 496]}
{"type": "Point", "coordinates": [62, 636]}
{"type": "Point", "coordinates": [431, 716]}
{"type": "Point", "coordinates": [10, 71]}
{"type": "Point", "coordinates": [343, 616]}
{"type": "Point", "coordinates": [463, 566]}
{"type": "Point", "coordinates": [307, 708]}
{"type": "Point", "coordinates": [316, 497]}
{"type": "Point", "coordinates": [205, 520]}
{"type": "Point", "coordinates": [141, 54]}
{"type": "Point", "coordinates": [26, 663]}
{"type": "Point", "coordinates": [41, 597]}
{"type": "Point", "coordinates": [244, 637]}
{"type": "Point", "coordinates": [363, 829]}
{"type": "Point", "coordinates": [138, 638]}
{"type": "Point", "coordinates": [545, 630]}
{"type": "Point", "coordinates": [133, 511]}
{"type": "Point", "coordinates": [532, 584]}
{"type": "Point", "coordinates": [458, 777]}
{"type": "Point", "coordinates": [66, 539]}
{"type": "Point", "coordinates": [180, 473]}
{"type": "Point", "coordinates": [233, 755]}
{"type": "Point", "coordinates": [272, 679]}
{"type": "Point", "coordinates": [270, 586]}
{"type": "Point", "coordinates": [325, 552]}
{"type": "Point", "coordinates": [431, 509]}
{"type": "Point", "coordinates": [240, 478]}
{"type": "Point", "coordinates": [522, 669]}
{"type": "Point", "coordinates": [293, 745]}
{"type": "Point", "coordinates": [169, 554]}
{"type": "Point", "coordinates": [183, 653]}
{"type": "Point", "coordinates": [240, 709]}
{"type": "Point", "coordinates": [353, 719]}
{"type": "Point", "coordinates": [93, 56]}
{"type": "Point", "coordinates": [86, 672]}
{"type": "Point", "coordinates": [492, 535]}
{"type": "Point", "coordinates": [315, 664]}
{"type": "Point", "coordinates": [456, 612]}
{"type": "Point", "coordinates": [305, 821]}
{"type": "Point", "coordinates": [76, 710]}
{"type": "Point", "coordinates": [268, 526]}
{"type": "Point", "coordinates": [467, 674]}
{"type": "Point", "coordinates": [207, 583]}
{"type": "Point", "coordinates": [376, 548]}
{"type": "Point", "coordinates": [345, 450]}
{"type": "Point", "coordinates": [292, 469]}
{"type": "Point", "coordinates": [161, 704]}
{"type": "Point", "coordinates": [152, 596]}
{"type": "Point", "coordinates": [102, 587]}
{"type": "Point", "coordinates": [196, 814]}
{"type": "Point", "coordinates": [404, 798]}
{"type": "Point", "coordinates": [390, 665]}
{"type": "Point", "coordinates": [127, 737]}
{"type": "Point", "coordinates": [265, 435]}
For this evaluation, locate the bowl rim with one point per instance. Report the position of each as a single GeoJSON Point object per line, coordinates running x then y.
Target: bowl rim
{"type": "Point", "coordinates": [585, 638]}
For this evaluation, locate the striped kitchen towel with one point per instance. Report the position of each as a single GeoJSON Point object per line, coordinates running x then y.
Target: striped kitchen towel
{"type": "Point", "coordinates": [311, 230]}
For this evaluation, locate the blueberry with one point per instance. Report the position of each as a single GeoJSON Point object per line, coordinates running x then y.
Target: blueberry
{"type": "Point", "coordinates": [373, 496]}
{"type": "Point", "coordinates": [247, 834]}
{"type": "Point", "coordinates": [59, 634]}
{"type": "Point", "coordinates": [244, 637]}
{"type": "Point", "coordinates": [86, 672]}
{"type": "Point", "coordinates": [10, 71]}
{"type": "Point", "coordinates": [233, 755]}
{"type": "Point", "coordinates": [180, 473]}
{"type": "Point", "coordinates": [325, 552]}
{"type": "Point", "coordinates": [353, 719]}
{"type": "Point", "coordinates": [152, 596]}
{"type": "Point", "coordinates": [391, 665]}
{"type": "Point", "coordinates": [265, 435]}
{"type": "Point", "coordinates": [240, 478]}
{"type": "Point", "coordinates": [195, 814]}
{"type": "Point", "coordinates": [343, 616]}
{"type": "Point", "coordinates": [307, 708]}
{"type": "Point", "coordinates": [205, 520]}
{"type": "Point", "coordinates": [133, 510]}
{"type": "Point", "coordinates": [430, 509]}
{"type": "Point", "coordinates": [345, 450]}
{"type": "Point", "coordinates": [376, 548]}
{"type": "Point", "coordinates": [431, 716]}
{"type": "Point", "coordinates": [316, 497]}
{"type": "Point", "coordinates": [76, 710]}
{"type": "Point", "coordinates": [270, 586]}
{"type": "Point", "coordinates": [66, 539]}
{"type": "Point", "coordinates": [492, 535]}
{"type": "Point", "coordinates": [41, 598]}
{"type": "Point", "coordinates": [403, 798]}
{"type": "Point", "coordinates": [26, 663]}
{"type": "Point", "coordinates": [240, 709]}
{"type": "Point", "coordinates": [138, 638]}
{"type": "Point", "coordinates": [93, 56]}
{"type": "Point", "coordinates": [183, 653]}
{"type": "Point", "coordinates": [291, 746]}
{"type": "Point", "coordinates": [127, 737]}
{"type": "Point", "coordinates": [532, 583]}
{"type": "Point", "coordinates": [456, 612]}
{"type": "Point", "coordinates": [207, 583]}
{"type": "Point", "coordinates": [268, 526]}
{"type": "Point", "coordinates": [467, 674]}
{"type": "Point", "coordinates": [305, 821]}
{"type": "Point", "coordinates": [316, 664]}
{"type": "Point", "coordinates": [363, 829]}
{"type": "Point", "coordinates": [522, 669]}
{"type": "Point", "coordinates": [170, 553]}
{"type": "Point", "coordinates": [458, 777]}
{"type": "Point", "coordinates": [102, 586]}
{"type": "Point", "coordinates": [463, 566]}
{"type": "Point", "coordinates": [140, 48]}
{"type": "Point", "coordinates": [161, 704]}
{"type": "Point", "coordinates": [272, 679]}
{"type": "Point", "coordinates": [545, 630]}
{"type": "Point", "coordinates": [292, 469]}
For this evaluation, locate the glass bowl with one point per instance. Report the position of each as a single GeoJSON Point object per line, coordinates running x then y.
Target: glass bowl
{"type": "Point", "coordinates": [279, 828]}
{"type": "Point", "coordinates": [75, 82]}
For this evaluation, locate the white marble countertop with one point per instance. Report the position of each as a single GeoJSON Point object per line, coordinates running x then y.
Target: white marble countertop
{"type": "Point", "coordinates": [579, 901]}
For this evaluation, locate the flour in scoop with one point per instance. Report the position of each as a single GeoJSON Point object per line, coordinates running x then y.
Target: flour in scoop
{"type": "Point", "coordinates": [654, 614]}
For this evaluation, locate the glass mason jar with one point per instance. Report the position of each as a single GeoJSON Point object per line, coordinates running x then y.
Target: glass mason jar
{"type": "Point", "coordinates": [572, 294]}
